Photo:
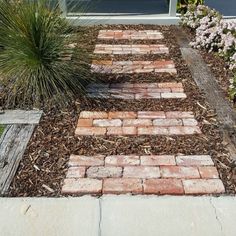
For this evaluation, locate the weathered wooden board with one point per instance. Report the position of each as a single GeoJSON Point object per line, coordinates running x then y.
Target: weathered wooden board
{"type": "Point", "coordinates": [206, 81]}
{"type": "Point", "coordinates": [20, 117]}
{"type": "Point", "coordinates": [13, 143]}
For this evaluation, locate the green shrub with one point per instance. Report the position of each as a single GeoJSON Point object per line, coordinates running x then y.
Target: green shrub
{"type": "Point", "coordinates": [182, 5]}
{"type": "Point", "coordinates": [35, 65]}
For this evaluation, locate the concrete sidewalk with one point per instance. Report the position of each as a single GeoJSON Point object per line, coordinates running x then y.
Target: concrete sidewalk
{"type": "Point", "coordinates": [118, 216]}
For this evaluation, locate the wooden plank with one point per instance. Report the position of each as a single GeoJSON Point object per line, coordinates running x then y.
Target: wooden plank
{"type": "Point", "coordinates": [20, 117]}
{"type": "Point", "coordinates": [13, 143]}
{"type": "Point", "coordinates": [206, 81]}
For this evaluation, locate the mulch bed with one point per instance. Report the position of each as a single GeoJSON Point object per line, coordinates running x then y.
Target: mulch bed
{"type": "Point", "coordinates": [44, 164]}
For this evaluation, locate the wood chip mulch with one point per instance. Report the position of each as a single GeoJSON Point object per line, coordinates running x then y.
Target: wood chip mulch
{"type": "Point", "coordinates": [44, 164]}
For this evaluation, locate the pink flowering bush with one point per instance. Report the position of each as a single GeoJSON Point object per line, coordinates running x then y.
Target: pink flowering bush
{"type": "Point", "coordinates": [214, 35]}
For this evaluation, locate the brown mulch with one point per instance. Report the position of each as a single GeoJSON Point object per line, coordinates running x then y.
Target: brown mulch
{"type": "Point", "coordinates": [44, 165]}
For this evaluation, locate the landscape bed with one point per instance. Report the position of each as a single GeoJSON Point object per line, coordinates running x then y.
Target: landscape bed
{"type": "Point", "coordinates": [44, 165]}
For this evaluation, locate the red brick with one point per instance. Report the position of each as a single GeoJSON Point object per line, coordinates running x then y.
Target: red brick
{"type": "Point", "coordinates": [179, 114]}
{"type": "Point", "coordinates": [163, 186]}
{"type": "Point", "coordinates": [93, 115]}
{"type": "Point", "coordinates": [147, 95]}
{"type": "Point", "coordinates": [82, 186]}
{"type": "Point", "coordinates": [173, 95]}
{"type": "Point", "coordinates": [153, 131]}
{"type": "Point", "coordinates": [167, 122]}
{"type": "Point", "coordinates": [76, 172]}
{"type": "Point", "coordinates": [107, 122]}
{"type": "Point", "coordinates": [208, 172]}
{"type": "Point", "coordinates": [121, 186]}
{"type": "Point", "coordinates": [122, 160]}
{"type": "Point", "coordinates": [184, 130]}
{"type": "Point", "coordinates": [121, 131]}
{"type": "Point", "coordinates": [122, 115]}
{"type": "Point", "coordinates": [151, 114]}
{"type": "Point", "coordinates": [203, 186]}
{"type": "Point", "coordinates": [194, 160]}
{"type": "Point", "coordinates": [85, 123]}
{"type": "Point", "coordinates": [161, 160]}
{"type": "Point", "coordinates": [137, 122]}
{"type": "Point", "coordinates": [179, 172]}
{"type": "Point", "coordinates": [170, 85]}
{"type": "Point", "coordinates": [76, 160]}
{"type": "Point", "coordinates": [141, 172]}
{"type": "Point", "coordinates": [104, 172]}
{"type": "Point", "coordinates": [90, 131]}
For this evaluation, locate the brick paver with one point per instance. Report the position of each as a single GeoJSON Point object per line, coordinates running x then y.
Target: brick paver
{"type": "Point", "coordinates": [124, 49]}
{"type": "Point", "coordinates": [175, 174]}
{"type": "Point", "coordinates": [140, 123]}
{"type": "Point", "coordinates": [129, 67]}
{"type": "Point", "coordinates": [137, 91]}
{"type": "Point", "coordinates": [147, 174]}
{"type": "Point", "coordinates": [130, 34]}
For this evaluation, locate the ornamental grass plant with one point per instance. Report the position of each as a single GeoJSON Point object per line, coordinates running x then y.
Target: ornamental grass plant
{"type": "Point", "coordinates": [39, 64]}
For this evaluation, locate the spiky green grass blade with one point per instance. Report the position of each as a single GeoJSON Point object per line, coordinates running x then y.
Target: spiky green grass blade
{"type": "Point", "coordinates": [33, 64]}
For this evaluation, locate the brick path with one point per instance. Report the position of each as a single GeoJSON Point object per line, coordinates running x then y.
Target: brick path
{"type": "Point", "coordinates": [129, 67]}
{"type": "Point", "coordinates": [166, 174]}
{"type": "Point", "coordinates": [137, 91]}
{"type": "Point", "coordinates": [131, 49]}
{"type": "Point", "coordinates": [138, 174]}
{"type": "Point", "coordinates": [137, 123]}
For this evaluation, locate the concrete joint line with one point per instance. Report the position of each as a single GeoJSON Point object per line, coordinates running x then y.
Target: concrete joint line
{"type": "Point", "coordinates": [216, 216]}
{"type": "Point", "coordinates": [100, 217]}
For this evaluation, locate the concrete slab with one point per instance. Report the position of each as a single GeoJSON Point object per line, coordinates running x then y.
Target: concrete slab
{"type": "Point", "coordinates": [118, 216]}
{"type": "Point", "coordinates": [49, 217]}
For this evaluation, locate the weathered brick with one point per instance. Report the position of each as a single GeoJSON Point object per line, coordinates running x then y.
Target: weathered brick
{"type": "Point", "coordinates": [121, 131]}
{"type": "Point", "coordinates": [184, 130]}
{"type": "Point", "coordinates": [75, 172]}
{"type": "Point", "coordinates": [79, 160]}
{"type": "Point", "coordinates": [173, 95]}
{"type": "Point", "coordinates": [107, 122]}
{"type": "Point", "coordinates": [167, 122]}
{"type": "Point", "coordinates": [153, 131]}
{"type": "Point", "coordinates": [161, 160]}
{"type": "Point", "coordinates": [122, 160]}
{"type": "Point", "coordinates": [203, 186]}
{"type": "Point", "coordinates": [93, 115]}
{"type": "Point", "coordinates": [137, 122]}
{"type": "Point", "coordinates": [170, 85]}
{"type": "Point", "coordinates": [163, 186]}
{"type": "Point", "coordinates": [104, 172]}
{"type": "Point", "coordinates": [190, 122]}
{"type": "Point", "coordinates": [85, 123]}
{"type": "Point", "coordinates": [208, 172]}
{"type": "Point", "coordinates": [147, 95]}
{"type": "Point", "coordinates": [179, 172]}
{"type": "Point", "coordinates": [122, 115]}
{"type": "Point", "coordinates": [82, 186]}
{"type": "Point", "coordinates": [122, 185]}
{"type": "Point", "coordinates": [179, 114]}
{"type": "Point", "coordinates": [141, 172]}
{"type": "Point", "coordinates": [194, 160]}
{"type": "Point", "coordinates": [90, 131]}
{"type": "Point", "coordinates": [151, 114]}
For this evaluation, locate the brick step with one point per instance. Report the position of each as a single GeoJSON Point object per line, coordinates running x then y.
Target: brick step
{"type": "Point", "coordinates": [130, 34]}
{"type": "Point", "coordinates": [129, 67]}
{"type": "Point", "coordinates": [137, 123]}
{"type": "Point", "coordinates": [149, 174]}
{"type": "Point", "coordinates": [136, 90]}
{"type": "Point", "coordinates": [134, 49]}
